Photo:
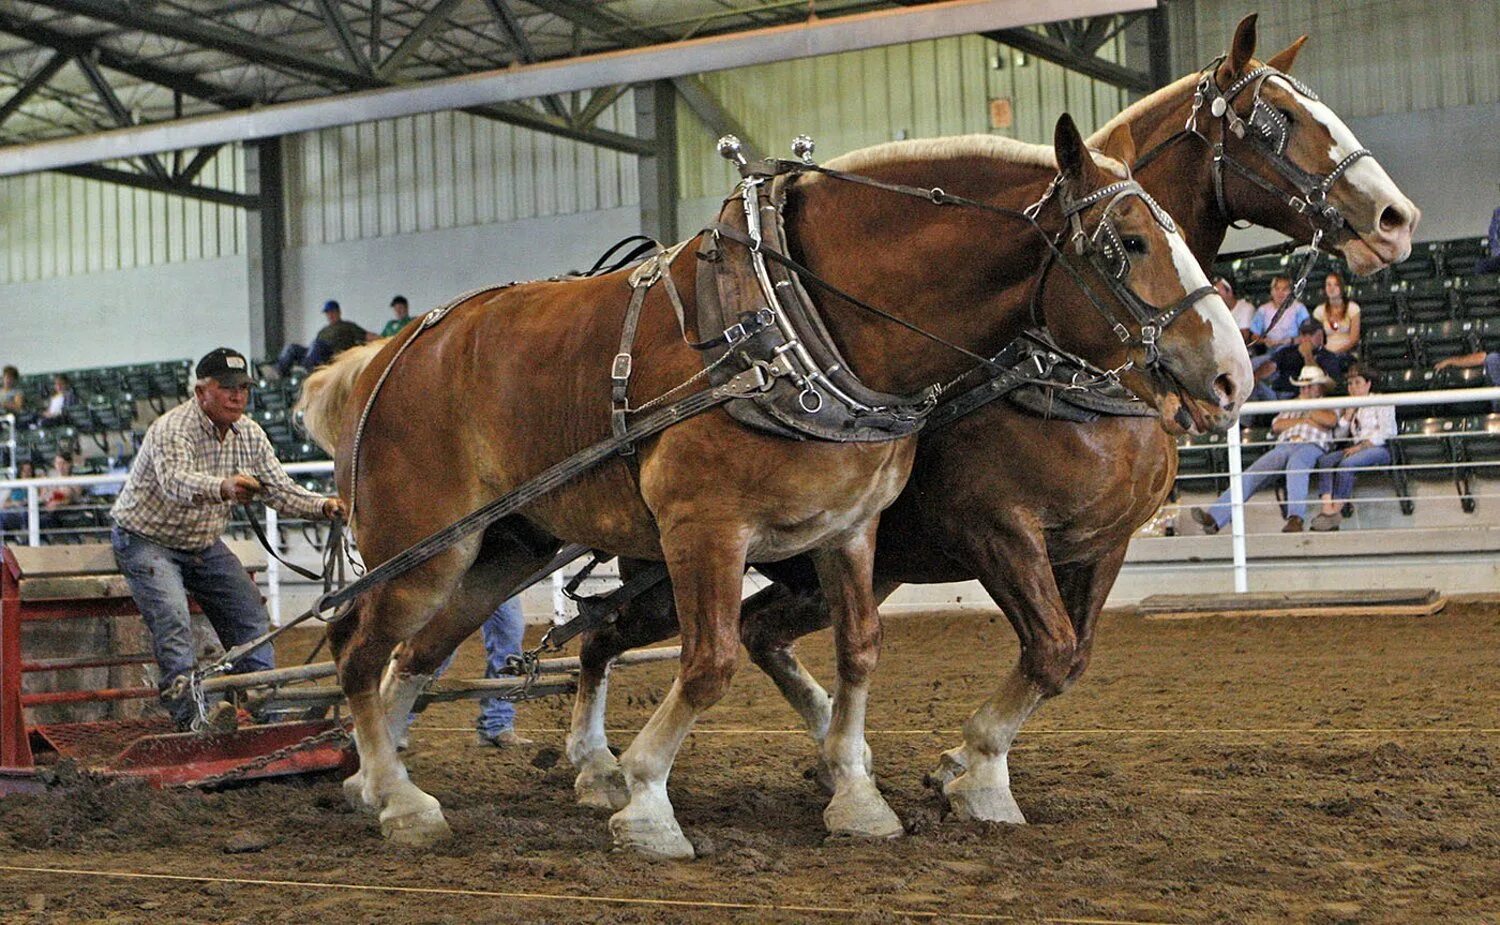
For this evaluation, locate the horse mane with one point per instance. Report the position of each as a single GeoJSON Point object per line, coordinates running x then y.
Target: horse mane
{"type": "Point", "coordinates": [1141, 106]}
{"type": "Point", "coordinates": [996, 147]}
{"type": "Point", "coordinates": [325, 393]}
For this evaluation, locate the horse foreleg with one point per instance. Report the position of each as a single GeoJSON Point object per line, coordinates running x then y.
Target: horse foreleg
{"type": "Point", "coordinates": [1085, 587]}
{"type": "Point", "coordinates": [648, 618]}
{"type": "Point", "coordinates": [1014, 568]}
{"type": "Point", "coordinates": [857, 808]}
{"type": "Point", "coordinates": [707, 564]}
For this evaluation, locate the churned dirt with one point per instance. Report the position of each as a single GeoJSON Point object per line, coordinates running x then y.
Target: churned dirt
{"type": "Point", "coordinates": [1254, 770]}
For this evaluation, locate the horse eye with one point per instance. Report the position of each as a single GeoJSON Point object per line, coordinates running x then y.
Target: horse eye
{"type": "Point", "coordinates": [1286, 114]}
{"type": "Point", "coordinates": [1134, 244]}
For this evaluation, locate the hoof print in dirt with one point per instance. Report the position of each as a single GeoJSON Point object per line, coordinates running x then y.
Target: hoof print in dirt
{"type": "Point", "coordinates": [546, 759]}
{"type": "Point", "coordinates": [246, 843]}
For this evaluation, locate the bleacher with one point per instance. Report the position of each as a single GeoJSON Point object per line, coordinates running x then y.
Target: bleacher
{"type": "Point", "coordinates": [1425, 309]}
{"type": "Point", "coordinates": [104, 427]}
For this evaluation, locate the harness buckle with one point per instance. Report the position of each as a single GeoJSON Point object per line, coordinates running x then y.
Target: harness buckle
{"type": "Point", "coordinates": [735, 333]}
{"type": "Point", "coordinates": [1149, 334]}
{"type": "Point", "coordinates": [620, 370]}
{"type": "Point", "coordinates": [937, 195]}
{"type": "Point", "coordinates": [1122, 332]}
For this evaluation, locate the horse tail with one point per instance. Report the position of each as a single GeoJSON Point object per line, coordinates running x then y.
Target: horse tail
{"type": "Point", "coordinates": [325, 393]}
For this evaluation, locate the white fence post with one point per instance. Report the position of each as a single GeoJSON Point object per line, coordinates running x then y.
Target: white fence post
{"type": "Point", "coordinates": [33, 516]}
{"type": "Point", "coordinates": [10, 443]}
{"type": "Point", "coordinates": [273, 567]}
{"type": "Point", "coordinates": [1237, 511]}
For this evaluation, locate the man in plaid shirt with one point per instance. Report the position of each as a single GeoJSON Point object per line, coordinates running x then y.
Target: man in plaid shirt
{"type": "Point", "coordinates": [1301, 438]}
{"type": "Point", "coordinates": [195, 463]}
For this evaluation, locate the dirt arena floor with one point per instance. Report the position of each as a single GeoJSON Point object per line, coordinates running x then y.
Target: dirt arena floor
{"type": "Point", "coordinates": [1304, 770]}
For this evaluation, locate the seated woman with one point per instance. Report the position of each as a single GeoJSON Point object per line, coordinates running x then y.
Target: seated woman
{"type": "Point", "coordinates": [1371, 430]}
{"type": "Point", "coordinates": [1301, 439]}
{"type": "Point", "coordinates": [57, 498]}
{"type": "Point", "coordinates": [13, 502]}
{"type": "Point", "coordinates": [1339, 316]}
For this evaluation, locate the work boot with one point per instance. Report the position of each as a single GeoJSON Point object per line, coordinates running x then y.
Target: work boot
{"type": "Point", "coordinates": [1293, 525]}
{"type": "Point", "coordinates": [505, 738]}
{"type": "Point", "coordinates": [222, 717]}
{"type": "Point", "coordinates": [1205, 520]}
{"type": "Point", "coordinates": [1325, 522]}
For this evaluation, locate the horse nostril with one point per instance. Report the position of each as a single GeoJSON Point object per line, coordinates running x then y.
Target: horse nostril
{"type": "Point", "coordinates": [1392, 219]}
{"type": "Point", "coordinates": [1224, 388]}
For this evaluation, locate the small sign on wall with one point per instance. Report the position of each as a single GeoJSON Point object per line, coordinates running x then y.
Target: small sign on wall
{"type": "Point", "coordinates": [1001, 114]}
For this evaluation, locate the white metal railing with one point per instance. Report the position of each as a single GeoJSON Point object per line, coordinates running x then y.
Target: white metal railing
{"type": "Point", "coordinates": [11, 463]}
{"type": "Point", "coordinates": [1233, 444]}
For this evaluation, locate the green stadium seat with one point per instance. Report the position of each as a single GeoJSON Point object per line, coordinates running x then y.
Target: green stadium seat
{"type": "Point", "coordinates": [1448, 338]}
{"type": "Point", "coordinates": [1479, 296]}
{"type": "Point", "coordinates": [1378, 305]}
{"type": "Point", "coordinates": [1429, 300]}
{"type": "Point", "coordinates": [1390, 344]}
{"type": "Point", "coordinates": [1460, 256]}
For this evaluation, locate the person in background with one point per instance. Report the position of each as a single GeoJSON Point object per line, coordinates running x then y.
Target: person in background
{"type": "Point", "coordinates": [1285, 330]}
{"type": "Point", "coordinates": [1490, 263]}
{"type": "Point", "coordinates": [1339, 316]}
{"type": "Point", "coordinates": [1370, 429]}
{"type": "Point", "coordinates": [1241, 309]}
{"type": "Point", "coordinates": [56, 497]}
{"type": "Point", "coordinates": [63, 397]}
{"type": "Point", "coordinates": [1301, 440]}
{"type": "Point", "coordinates": [1488, 359]}
{"type": "Point", "coordinates": [12, 399]}
{"type": "Point", "coordinates": [13, 502]}
{"type": "Point", "coordinates": [1309, 349]}
{"type": "Point", "coordinates": [336, 336]}
{"type": "Point", "coordinates": [402, 308]}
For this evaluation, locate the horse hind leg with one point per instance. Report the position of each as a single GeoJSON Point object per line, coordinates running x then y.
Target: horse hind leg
{"type": "Point", "coordinates": [707, 567]}
{"type": "Point", "coordinates": [649, 618]}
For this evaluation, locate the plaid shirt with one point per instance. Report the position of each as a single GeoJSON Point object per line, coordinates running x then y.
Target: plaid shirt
{"type": "Point", "coordinates": [172, 495]}
{"type": "Point", "coordinates": [1304, 431]}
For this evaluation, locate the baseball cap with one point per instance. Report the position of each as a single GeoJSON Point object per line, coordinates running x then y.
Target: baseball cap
{"type": "Point", "coordinates": [331, 306]}
{"type": "Point", "coordinates": [225, 366]}
{"type": "Point", "coordinates": [1309, 327]}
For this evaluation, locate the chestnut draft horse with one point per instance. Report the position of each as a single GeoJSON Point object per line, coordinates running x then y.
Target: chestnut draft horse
{"type": "Point", "coordinates": [1041, 511]}
{"type": "Point", "coordinates": [710, 494]}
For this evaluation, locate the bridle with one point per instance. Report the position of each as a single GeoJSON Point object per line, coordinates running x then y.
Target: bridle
{"type": "Point", "coordinates": [1267, 131]}
{"type": "Point", "coordinates": [1105, 252]}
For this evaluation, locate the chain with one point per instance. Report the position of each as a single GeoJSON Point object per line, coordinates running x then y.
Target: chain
{"type": "Point", "coordinates": [336, 734]}
{"type": "Point", "coordinates": [200, 701]}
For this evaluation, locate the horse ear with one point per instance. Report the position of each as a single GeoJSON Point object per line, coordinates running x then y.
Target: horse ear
{"type": "Point", "coordinates": [1120, 145]}
{"type": "Point", "coordinates": [1282, 60]}
{"type": "Point", "coordinates": [1074, 161]}
{"type": "Point", "coordinates": [1241, 50]}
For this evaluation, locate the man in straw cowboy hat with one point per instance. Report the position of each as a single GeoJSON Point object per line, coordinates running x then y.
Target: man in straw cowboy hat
{"type": "Point", "coordinates": [1301, 438]}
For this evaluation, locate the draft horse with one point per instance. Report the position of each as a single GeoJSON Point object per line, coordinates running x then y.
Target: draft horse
{"type": "Point", "coordinates": [508, 383]}
{"type": "Point", "coordinates": [1041, 511]}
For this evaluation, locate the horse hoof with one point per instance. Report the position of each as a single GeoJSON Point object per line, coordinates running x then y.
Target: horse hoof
{"type": "Point", "coordinates": [861, 813]}
{"type": "Point", "coordinates": [415, 830]}
{"type": "Point", "coordinates": [951, 765]}
{"type": "Point", "coordinates": [974, 802]}
{"type": "Point", "coordinates": [602, 789]}
{"type": "Point", "coordinates": [658, 839]}
{"type": "Point", "coordinates": [822, 776]}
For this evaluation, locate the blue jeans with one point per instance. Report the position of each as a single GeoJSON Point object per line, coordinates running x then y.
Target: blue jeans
{"type": "Point", "coordinates": [1492, 372]}
{"type": "Point", "coordinates": [1294, 460]}
{"type": "Point", "coordinates": [160, 579]}
{"type": "Point", "coordinates": [502, 634]}
{"type": "Point", "coordinates": [1336, 471]}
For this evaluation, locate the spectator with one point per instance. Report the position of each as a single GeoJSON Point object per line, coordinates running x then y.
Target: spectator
{"type": "Point", "coordinates": [1285, 330]}
{"type": "Point", "coordinates": [1241, 309]}
{"type": "Point", "coordinates": [1489, 360]}
{"type": "Point", "coordinates": [63, 398]}
{"type": "Point", "coordinates": [12, 399]}
{"type": "Point", "coordinates": [502, 632]}
{"type": "Point", "coordinates": [57, 497]}
{"type": "Point", "coordinates": [1491, 262]}
{"type": "Point", "coordinates": [13, 503]}
{"type": "Point", "coordinates": [1339, 316]}
{"type": "Point", "coordinates": [1370, 429]}
{"type": "Point", "coordinates": [402, 308]}
{"type": "Point", "coordinates": [196, 462]}
{"type": "Point", "coordinates": [1302, 438]}
{"type": "Point", "coordinates": [1308, 350]}
{"type": "Point", "coordinates": [336, 336]}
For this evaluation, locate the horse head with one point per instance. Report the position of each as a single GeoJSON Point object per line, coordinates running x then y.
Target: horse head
{"type": "Point", "coordinates": [1278, 145]}
{"type": "Point", "coordinates": [1149, 313]}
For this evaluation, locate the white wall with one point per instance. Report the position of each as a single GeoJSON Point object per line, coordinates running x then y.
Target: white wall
{"type": "Point", "coordinates": [166, 312]}
{"type": "Point", "coordinates": [432, 267]}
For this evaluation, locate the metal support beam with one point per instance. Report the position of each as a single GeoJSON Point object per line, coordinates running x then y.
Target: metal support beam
{"type": "Point", "coordinates": [35, 82]}
{"type": "Point", "coordinates": [435, 19]}
{"type": "Point", "coordinates": [656, 119]}
{"type": "Point", "coordinates": [1050, 49]}
{"type": "Point", "coordinates": [602, 99]}
{"type": "Point", "coordinates": [121, 115]}
{"type": "Point", "coordinates": [516, 35]}
{"type": "Point", "coordinates": [1159, 44]}
{"type": "Point", "coordinates": [589, 16]}
{"type": "Point", "coordinates": [333, 17]}
{"type": "Point", "coordinates": [720, 52]}
{"type": "Point", "coordinates": [196, 165]}
{"type": "Point", "coordinates": [713, 115]}
{"type": "Point", "coordinates": [265, 237]}
{"type": "Point", "coordinates": [155, 185]}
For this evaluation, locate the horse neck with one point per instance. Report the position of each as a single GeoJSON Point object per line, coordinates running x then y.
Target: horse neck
{"type": "Point", "coordinates": [960, 273]}
{"type": "Point", "coordinates": [1181, 179]}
